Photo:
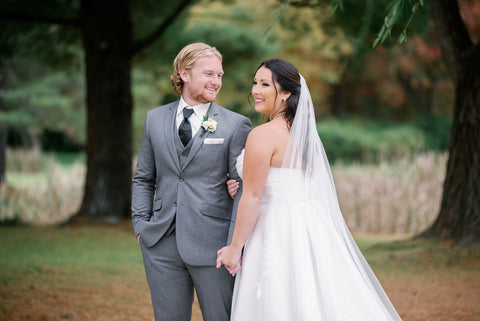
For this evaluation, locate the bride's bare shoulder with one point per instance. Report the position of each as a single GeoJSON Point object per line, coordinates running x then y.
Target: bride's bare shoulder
{"type": "Point", "coordinates": [271, 131]}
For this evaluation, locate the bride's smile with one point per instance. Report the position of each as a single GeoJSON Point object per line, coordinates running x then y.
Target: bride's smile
{"type": "Point", "coordinates": [265, 92]}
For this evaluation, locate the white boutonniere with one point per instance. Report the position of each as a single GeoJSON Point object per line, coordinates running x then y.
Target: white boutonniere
{"type": "Point", "coordinates": [209, 124]}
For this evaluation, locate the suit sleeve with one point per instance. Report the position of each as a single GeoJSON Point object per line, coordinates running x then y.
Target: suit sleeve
{"type": "Point", "coordinates": [240, 134]}
{"type": "Point", "coordinates": [143, 182]}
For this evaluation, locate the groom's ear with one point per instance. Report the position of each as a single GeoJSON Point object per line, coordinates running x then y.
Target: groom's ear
{"type": "Point", "coordinates": [184, 74]}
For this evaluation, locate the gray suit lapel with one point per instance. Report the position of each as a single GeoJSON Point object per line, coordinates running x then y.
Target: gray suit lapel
{"type": "Point", "coordinates": [169, 128]}
{"type": "Point", "coordinates": [201, 135]}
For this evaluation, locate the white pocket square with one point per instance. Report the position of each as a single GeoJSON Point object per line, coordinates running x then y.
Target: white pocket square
{"type": "Point", "coordinates": [213, 140]}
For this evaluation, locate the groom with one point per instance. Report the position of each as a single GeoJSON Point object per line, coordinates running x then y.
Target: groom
{"type": "Point", "coordinates": [181, 210]}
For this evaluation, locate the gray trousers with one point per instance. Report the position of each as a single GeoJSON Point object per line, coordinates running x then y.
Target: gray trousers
{"type": "Point", "coordinates": [172, 284]}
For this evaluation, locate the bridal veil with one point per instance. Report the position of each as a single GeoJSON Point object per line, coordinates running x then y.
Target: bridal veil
{"type": "Point", "coordinates": [305, 152]}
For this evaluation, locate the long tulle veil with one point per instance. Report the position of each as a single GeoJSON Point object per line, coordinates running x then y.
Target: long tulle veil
{"type": "Point", "coordinates": [305, 152]}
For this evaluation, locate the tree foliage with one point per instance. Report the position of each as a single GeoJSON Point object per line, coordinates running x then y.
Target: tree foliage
{"type": "Point", "coordinates": [459, 216]}
{"type": "Point", "coordinates": [111, 34]}
{"type": "Point", "coordinates": [39, 63]}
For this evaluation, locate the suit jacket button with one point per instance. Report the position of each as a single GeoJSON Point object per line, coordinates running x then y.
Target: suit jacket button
{"type": "Point", "coordinates": [175, 204]}
{"type": "Point", "coordinates": [181, 179]}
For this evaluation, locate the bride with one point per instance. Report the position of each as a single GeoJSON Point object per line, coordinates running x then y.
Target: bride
{"type": "Point", "coordinates": [292, 252]}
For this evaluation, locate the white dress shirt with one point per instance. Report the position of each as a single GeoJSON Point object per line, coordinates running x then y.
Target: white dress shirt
{"type": "Point", "coordinates": [197, 117]}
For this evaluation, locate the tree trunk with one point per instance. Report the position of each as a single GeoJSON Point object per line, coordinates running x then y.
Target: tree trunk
{"type": "Point", "coordinates": [107, 37]}
{"type": "Point", "coordinates": [3, 134]}
{"type": "Point", "coordinates": [3, 158]}
{"type": "Point", "coordinates": [459, 216]}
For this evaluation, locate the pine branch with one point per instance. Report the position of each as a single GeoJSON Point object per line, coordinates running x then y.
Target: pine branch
{"type": "Point", "coordinates": [335, 5]}
{"type": "Point", "coordinates": [277, 17]}
{"type": "Point", "coordinates": [392, 17]}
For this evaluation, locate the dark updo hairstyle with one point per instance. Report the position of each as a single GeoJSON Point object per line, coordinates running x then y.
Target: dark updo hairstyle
{"type": "Point", "coordinates": [288, 77]}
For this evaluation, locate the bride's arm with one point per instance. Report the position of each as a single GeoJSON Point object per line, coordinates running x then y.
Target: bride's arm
{"type": "Point", "coordinates": [258, 154]}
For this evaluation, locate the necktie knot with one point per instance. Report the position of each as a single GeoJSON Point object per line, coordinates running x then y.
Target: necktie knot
{"type": "Point", "coordinates": [187, 112]}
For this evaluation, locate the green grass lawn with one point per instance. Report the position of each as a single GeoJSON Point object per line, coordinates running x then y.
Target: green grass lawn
{"type": "Point", "coordinates": [95, 248]}
{"type": "Point", "coordinates": [54, 273]}
{"type": "Point", "coordinates": [96, 273]}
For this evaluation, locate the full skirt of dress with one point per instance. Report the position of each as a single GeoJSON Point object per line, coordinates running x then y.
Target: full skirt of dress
{"type": "Point", "coordinates": [297, 266]}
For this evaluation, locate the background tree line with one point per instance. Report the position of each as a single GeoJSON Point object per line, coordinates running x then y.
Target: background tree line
{"type": "Point", "coordinates": [62, 58]}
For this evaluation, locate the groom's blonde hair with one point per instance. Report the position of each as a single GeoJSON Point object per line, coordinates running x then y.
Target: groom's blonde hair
{"type": "Point", "coordinates": [186, 58]}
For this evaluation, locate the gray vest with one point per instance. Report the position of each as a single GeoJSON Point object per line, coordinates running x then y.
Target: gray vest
{"type": "Point", "coordinates": [182, 151]}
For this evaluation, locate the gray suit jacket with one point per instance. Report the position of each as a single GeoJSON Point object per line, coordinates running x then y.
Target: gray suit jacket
{"type": "Point", "coordinates": [193, 195]}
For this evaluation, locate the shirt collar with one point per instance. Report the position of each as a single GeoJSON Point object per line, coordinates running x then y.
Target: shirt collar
{"type": "Point", "coordinates": [200, 110]}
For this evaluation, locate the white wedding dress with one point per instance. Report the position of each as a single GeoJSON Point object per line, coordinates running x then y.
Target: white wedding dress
{"type": "Point", "coordinates": [299, 266]}
{"type": "Point", "coordinates": [301, 262]}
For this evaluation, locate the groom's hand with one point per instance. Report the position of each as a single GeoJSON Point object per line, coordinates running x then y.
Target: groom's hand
{"type": "Point", "coordinates": [234, 270]}
{"type": "Point", "coordinates": [232, 186]}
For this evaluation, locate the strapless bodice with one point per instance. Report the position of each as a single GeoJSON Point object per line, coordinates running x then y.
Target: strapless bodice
{"type": "Point", "coordinates": [285, 184]}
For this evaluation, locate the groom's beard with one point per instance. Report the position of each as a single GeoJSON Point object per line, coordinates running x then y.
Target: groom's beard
{"type": "Point", "coordinates": [203, 95]}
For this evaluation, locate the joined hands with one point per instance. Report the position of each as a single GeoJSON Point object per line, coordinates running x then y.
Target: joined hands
{"type": "Point", "coordinates": [231, 258]}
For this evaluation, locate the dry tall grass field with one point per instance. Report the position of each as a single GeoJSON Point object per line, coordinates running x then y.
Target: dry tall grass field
{"type": "Point", "coordinates": [390, 197]}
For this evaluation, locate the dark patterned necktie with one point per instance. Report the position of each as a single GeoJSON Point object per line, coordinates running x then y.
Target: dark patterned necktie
{"type": "Point", "coordinates": [185, 129]}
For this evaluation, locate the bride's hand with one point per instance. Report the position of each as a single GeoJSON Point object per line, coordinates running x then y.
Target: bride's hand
{"type": "Point", "coordinates": [230, 258]}
{"type": "Point", "coordinates": [232, 186]}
